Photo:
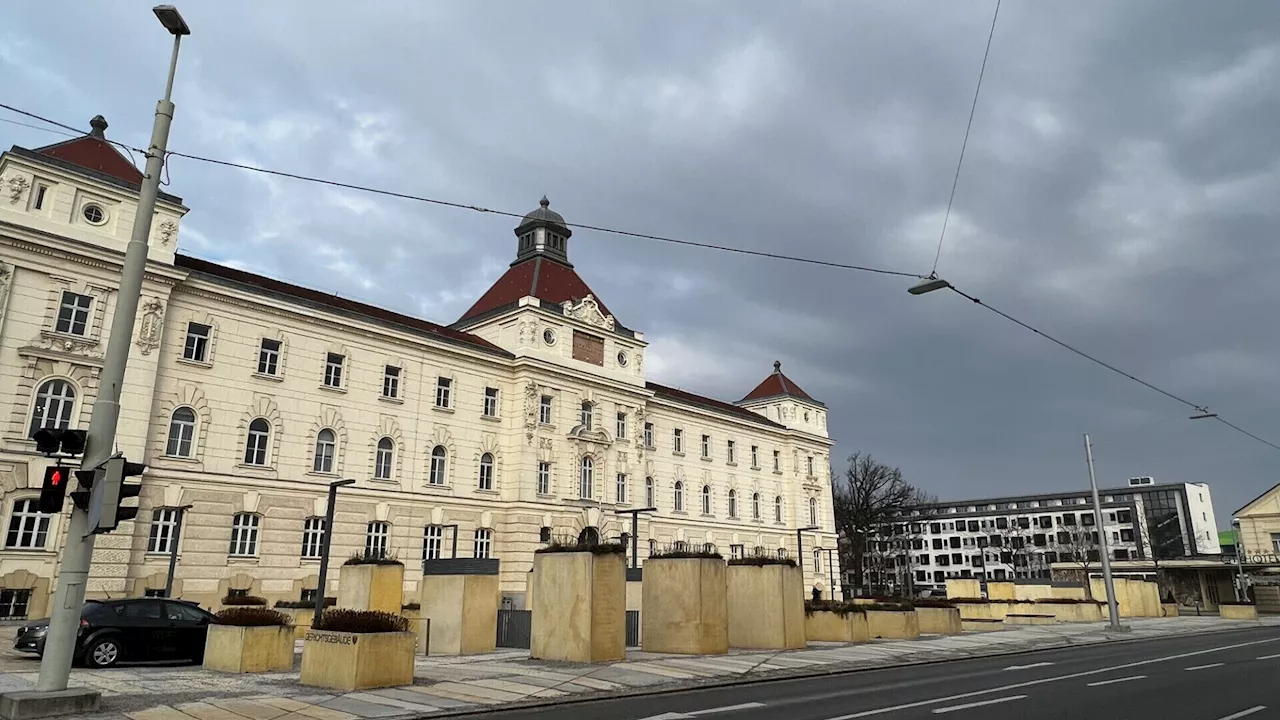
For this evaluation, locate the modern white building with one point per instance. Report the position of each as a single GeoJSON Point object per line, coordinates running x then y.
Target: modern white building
{"type": "Point", "coordinates": [1023, 536]}
{"type": "Point", "coordinates": [530, 416]}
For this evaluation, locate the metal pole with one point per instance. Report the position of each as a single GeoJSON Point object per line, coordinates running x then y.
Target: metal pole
{"type": "Point", "coordinates": [1241, 595]}
{"type": "Point", "coordinates": [453, 553]}
{"type": "Point", "coordinates": [635, 539]}
{"type": "Point", "coordinates": [800, 553]}
{"type": "Point", "coordinates": [173, 550]}
{"type": "Point", "coordinates": [77, 552]}
{"type": "Point", "coordinates": [321, 585]}
{"type": "Point", "coordinates": [1103, 552]}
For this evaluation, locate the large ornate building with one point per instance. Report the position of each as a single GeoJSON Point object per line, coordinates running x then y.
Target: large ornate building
{"type": "Point", "coordinates": [529, 417]}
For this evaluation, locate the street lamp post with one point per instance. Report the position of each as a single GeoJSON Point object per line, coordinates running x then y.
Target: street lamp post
{"type": "Point", "coordinates": [77, 553]}
{"type": "Point", "coordinates": [635, 531]}
{"type": "Point", "coordinates": [1103, 552]}
{"type": "Point", "coordinates": [173, 549]}
{"type": "Point", "coordinates": [1241, 594]}
{"type": "Point", "coordinates": [800, 545]}
{"type": "Point", "coordinates": [324, 549]}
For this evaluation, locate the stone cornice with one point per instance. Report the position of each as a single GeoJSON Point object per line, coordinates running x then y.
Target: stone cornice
{"type": "Point", "coordinates": [39, 242]}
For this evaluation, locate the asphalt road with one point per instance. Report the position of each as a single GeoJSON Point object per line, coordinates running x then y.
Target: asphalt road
{"type": "Point", "coordinates": [1220, 676]}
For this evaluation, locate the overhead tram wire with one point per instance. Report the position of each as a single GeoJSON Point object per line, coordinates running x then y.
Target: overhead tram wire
{"type": "Point", "coordinates": [626, 233]}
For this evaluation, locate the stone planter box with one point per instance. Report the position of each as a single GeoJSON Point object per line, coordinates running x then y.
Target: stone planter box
{"type": "Point", "coordinates": [1001, 590]}
{"type": "Point", "coordinates": [893, 624]}
{"type": "Point", "coordinates": [581, 612]}
{"type": "Point", "coordinates": [983, 611]}
{"type": "Point", "coordinates": [1068, 592]}
{"type": "Point", "coordinates": [686, 606]}
{"type": "Point", "coordinates": [982, 625]}
{"type": "Point", "coordinates": [828, 626]}
{"type": "Point", "coordinates": [766, 607]}
{"type": "Point", "coordinates": [371, 587]}
{"type": "Point", "coordinates": [232, 648]}
{"type": "Point", "coordinates": [461, 599]}
{"type": "Point", "coordinates": [1032, 591]}
{"type": "Point", "coordinates": [301, 620]}
{"type": "Point", "coordinates": [1238, 612]}
{"type": "Point", "coordinates": [1029, 619]}
{"type": "Point", "coordinates": [1168, 609]}
{"type": "Point", "coordinates": [357, 661]}
{"type": "Point", "coordinates": [938, 621]}
{"type": "Point", "coordinates": [964, 588]}
{"type": "Point", "coordinates": [420, 626]}
{"type": "Point", "coordinates": [1067, 612]}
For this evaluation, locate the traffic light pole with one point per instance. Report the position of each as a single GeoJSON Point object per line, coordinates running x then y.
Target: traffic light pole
{"type": "Point", "coordinates": [64, 618]}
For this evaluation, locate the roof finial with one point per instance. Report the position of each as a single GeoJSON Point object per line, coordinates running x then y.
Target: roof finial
{"type": "Point", "coordinates": [777, 366]}
{"type": "Point", "coordinates": [544, 202]}
{"type": "Point", "coordinates": [99, 125]}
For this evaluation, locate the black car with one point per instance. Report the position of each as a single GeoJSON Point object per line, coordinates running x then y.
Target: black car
{"type": "Point", "coordinates": [138, 629]}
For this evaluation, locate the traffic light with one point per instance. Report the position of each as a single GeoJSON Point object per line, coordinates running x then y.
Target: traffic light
{"type": "Point", "coordinates": [54, 489]}
{"type": "Point", "coordinates": [85, 480]}
{"type": "Point", "coordinates": [109, 488]}
{"type": "Point", "coordinates": [50, 441]}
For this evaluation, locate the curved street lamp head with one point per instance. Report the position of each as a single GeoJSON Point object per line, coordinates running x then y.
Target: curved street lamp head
{"type": "Point", "coordinates": [1203, 415]}
{"type": "Point", "coordinates": [171, 19]}
{"type": "Point", "coordinates": [928, 285]}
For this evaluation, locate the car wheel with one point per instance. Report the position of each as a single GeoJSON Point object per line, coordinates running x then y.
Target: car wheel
{"type": "Point", "coordinates": [103, 652]}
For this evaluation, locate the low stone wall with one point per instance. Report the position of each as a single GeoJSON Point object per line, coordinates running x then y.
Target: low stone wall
{"type": "Point", "coordinates": [357, 661]}
{"type": "Point", "coordinates": [939, 621]}
{"type": "Point", "coordinates": [982, 625]}
{"type": "Point", "coordinates": [1032, 591]}
{"type": "Point", "coordinates": [1066, 612]}
{"type": "Point", "coordinates": [1238, 612]}
{"type": "Point", "coordinates": [1169, 609]}
{"type": "Point", "coordinates": [1029, 619]}
{"type": "Point", "coordinates": [963, 588]}
{"type": "Point", "coordinates": [829, 626]}
{"type": "Point", "coordinates": [1068, 592]}
{"type": "Point", "coordinates": [1001, 590]}
{"type": "Point", "coordinates": [983, 610]}
{"type": "Point", "coordinates": [893, 624]}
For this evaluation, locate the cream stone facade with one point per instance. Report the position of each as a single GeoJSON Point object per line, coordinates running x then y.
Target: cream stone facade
{"type": "Point", "coordinates": [245, 396]}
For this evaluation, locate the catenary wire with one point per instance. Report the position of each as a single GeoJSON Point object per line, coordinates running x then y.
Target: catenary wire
{"type": "Point", "coordinates": [960, 163]}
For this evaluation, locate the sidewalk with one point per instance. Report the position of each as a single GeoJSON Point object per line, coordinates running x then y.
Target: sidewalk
{"type": "Point", "coordinates": [445, 685]}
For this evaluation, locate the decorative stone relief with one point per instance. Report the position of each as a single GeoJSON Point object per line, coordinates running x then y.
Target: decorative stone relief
{"type": "Point", "coordinates": [18, 185]}
{"type": "Point", "coordinates": [166, 231]}
{"type": "Point", "coordinates": [588, 310]}
{"type": "Point", "coordinates": [530, 411]}
{"type": "Point", "coordinates": [149, 329]}
{"type": "Point", "coordinates": [528, 333]}
{"type": "Point", "coordinates": [63, 343]}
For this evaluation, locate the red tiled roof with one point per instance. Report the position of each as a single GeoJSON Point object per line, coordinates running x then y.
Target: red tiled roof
{"type": "Point", "coordinates": [94, 153]}
{"type": "Point", "coordinates": [689, 398]}
{"type": "Point", "coordinates": [540, 277]}
{"type": "Point", "coordinates": [777, 384]}
{"type": "Point", "coordinates": [338, 303]}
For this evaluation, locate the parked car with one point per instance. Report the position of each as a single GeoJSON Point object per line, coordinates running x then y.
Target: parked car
{"type": "Point", "coordinates": [138, 629]}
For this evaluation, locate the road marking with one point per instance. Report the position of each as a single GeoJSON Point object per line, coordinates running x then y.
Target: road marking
{"type": "Point", "coordinates": [1041, 681]}
{"type": "Point", "coordinates": [1204, 667]}
{"type": "Point", "coordinates": [966, 706]}
{"type": "Point", "coordinates": [1243, 713]}
{"type": "Point", "coordinates": [1269, 657]}
{"type": "Point", "coordinates": [1028, 667]}
{"type": "Point", "coordinates": [1117, 680]}
{"type": "Point", "coordinates": [708, 711]}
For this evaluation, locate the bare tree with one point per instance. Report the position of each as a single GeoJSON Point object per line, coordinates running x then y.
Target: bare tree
{"type": "Point", "coordinates": [1018, 545]}
{"type": "Point", "coordinates": [1080, 545]}
{"type": "Point", "coordinates": [870, 495]}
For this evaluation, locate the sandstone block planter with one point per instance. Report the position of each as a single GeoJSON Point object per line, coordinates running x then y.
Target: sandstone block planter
{"type": "Point", "coordinates": [1001, 590]}
{"type": "Point", "coordinates": [994, 610]}
{"type": "Point", "coordinates": [581, 612]}
{"type": "Point", "coordinates": [371, 587]}
{"type": "Point", "coordinates": [1169, 609]}
{"type": "Point", "coordinates": [357, 661]}
{"type": "Point", "coordinates": [686, 606]}
{"type": "Point", "coordinates": [939, 621]}
{"type": "Point", "coordinates": [1029, 619]}
{"type": "Point", "coordinates": [460, 598]}
{"type": "Point", "coordinates": [1032, 591]}
{"type": "Point", "coordinates": [238, 649]}
{"type": "Point", "coordinates": [893, 624]}
{"type": "Point", "coordinates": [1238, 612]}
{"type": "Point", "coordinates": [766, 607]}
{"type": "Point", "coordinates": [1067, 612]}
{"type": "Point", "coordinates": [963, 588]}
{"type": "Point", "coordinates": [987, 625]}
{"type": "Point", "coordinates": [831, 626]}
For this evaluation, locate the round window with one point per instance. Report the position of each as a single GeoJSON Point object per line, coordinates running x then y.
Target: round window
{"type": "Point", "coordinates": [622, 359]}
{"type": "Point", "coordinates": [94, 214]}
{"type": "Point", "coordinates": [549, 337]}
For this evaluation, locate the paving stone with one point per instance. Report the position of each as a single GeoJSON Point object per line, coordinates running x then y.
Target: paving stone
{"type": "Point", "coordinates": [252, 709]}
{"type": "Point", "coordinates": [376, 696]}
{"type": "Point", "coordinates": [162, 712]}
{"type": "Point", "coordinates": [205, 711]}
{"type": "Point", "coordinates": [359, 708]}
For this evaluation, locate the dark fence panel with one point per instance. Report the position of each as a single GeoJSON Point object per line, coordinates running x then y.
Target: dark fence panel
{"type": "Point", "coordinates": [515, 628]}
{"type": "Point", "coordinates": [633, 628]}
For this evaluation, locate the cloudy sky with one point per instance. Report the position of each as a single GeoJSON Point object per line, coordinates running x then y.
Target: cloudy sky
{"type": "Point", "coordinates": [1119, 191]}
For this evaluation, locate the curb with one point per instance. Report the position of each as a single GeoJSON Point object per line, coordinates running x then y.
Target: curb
{"type": "Point", "coordinates": [772, 677]}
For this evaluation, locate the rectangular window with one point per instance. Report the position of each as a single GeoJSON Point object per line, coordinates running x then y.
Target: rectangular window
{"type": "Point", "coordinates": [333, 363]}
{"type": "Point", "coordinates": [244, 535]}
{"type": "Point", "coordinates": [620, 427]}
{"type": "Point", "coordinates": [777, 461]}
{"type": "Point", "coordinates": [432, 542]}
{"type": "Point", "coordinates": [755, 457]}
{"type": "Point", "coordinates": [491, 402]}
{"type": "Point", "coordinates": [197, 347]}
{"type": "Point", "coordinates": [706, 446]}
{"type": "Point", "coordinates": [730, 451]}
{"type": "Point", "coordinates": [163, 523]}
{"type": "Point", "coordinates": [391, 382]}
{"type": "Point", "coordinates": [73, 314]}
{"type": "Point", "coordinates": [444, 387]}
{"type": "Point", "coordinates": [544, 478]}
{"type": "Point", "coordinates": [677, 440]}
{"type": "Point", "coordinates": [14, 603]}
{"type": "Point", "coordinates": [312, 538]}
{"type": "Point", "coordinates": [28, 527]}
{"type": "Point", "coordinates": [648, 434]}
{"type": "Point", "coordinates": [735, 552]}
{"type": "Point", "coordinates": [587, 415]}
{"type": "Point", "coordinates": [809, 466]}
{"type": "Point", "coordinates": [269, 357]}
{"type": "Point", "coordinates": [622, 488]}
{"type": "Point", "coordinates": [544, 410]}
{"type": "Point", "coordinates": [38, 201]}
{"type": "Point", "coordinates": [484, 544]}
{"type": "Point", "coordinates": [1275, 542]}
{"type": "Point", "coordinates": [377, 539]}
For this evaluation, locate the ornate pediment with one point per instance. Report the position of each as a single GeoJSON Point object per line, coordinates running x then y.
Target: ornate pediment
{"type": "Point", "coordinates": [591, 434]}
{"type": "Point", "coordinates": [588, 311]}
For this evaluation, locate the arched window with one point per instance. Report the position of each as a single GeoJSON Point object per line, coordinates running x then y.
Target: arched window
{"type": "Point", "coordinates": [436, 476]}
{"type": "Point", "coordinates": [325, 443]}
{"type": "Point", "coordinates": [755, 506]}
{"type": "Point", "coordinates": [678, 497]}
{"type": "Point", "coordinates": [486, 471]}
{"type": "Point", "coordinates": [777, 509]}
{"type": "Point", "coordinates": [733, 503]}
{"type": "Point", "coordinates": [383, 459]}
{"type": "Point", "coordinates": [813, 511]}
{"type": "Point", "coordinates": [54, 402]}
{"type": "Point", "coordinates": [706, 499]}
{"type": "Point", "coordinates": [589, 536]}
{"type": "Point", "coordinates": [648, 492]}
{"type": "Point", "coordinates": [182, 430]}
{"type": "Point", "coordinates": [255, 446]}
{"type": "Point", "coordinates": [586, 477]}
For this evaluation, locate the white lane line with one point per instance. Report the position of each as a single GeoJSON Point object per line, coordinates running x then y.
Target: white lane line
{"type": "Point", "coordinates": [727, 708]}
{"type": "Point", "coordinates": [1028, 667]}
{"type": "Point", "coordinates": [1117, 680]}
{"type": "Point", "coordinates": [1204, 667]}
{"type": "Point", "coordinates": [1041, 681]}
{"type": "Point", "coordinates": [1269, 657]}
{"type": "Point", "coordinates": [1244, 713]}
{"type": "Point", "coordinates": [966, 706]}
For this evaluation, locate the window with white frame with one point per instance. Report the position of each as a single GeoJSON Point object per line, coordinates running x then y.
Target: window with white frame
{"type": "Point", "coordinates": [544, 478]}
{"type": "Point", "coordinates": [377, 539]}
{"type": "Point", "coordinates": [755, 506]}
{"type": "Point", "coordinates": [544, 410]}
{"type": "Point", "coordinates": [491, 402]}
{"type": "Point", "coordinates": [182, 431]}
{"type": "Point", "coordinates": [333, 366]}
{"type": "Point", "coordinates": [483, 547]}
{"type": "Point", "coordinates": [777, 509]}
{"type": "Point", "coordinates": [677, 440]}
{"type": "Point", "coordinates": [269, 357]}
{"type": "Point", "coordinates": [648, 492]}
{"type": "Point", "coordinates": [432, 542]}
{"type": "Point", "coordinates": [384, 458]}
{"type": "Point", "coordinates": [444, 392]}
{"type": "Point", "coordinates": [73, 313]}
{"type": "Point", "coordinates": [735, 552]}
{"type": "Point", "coordinates": [164, 523]}
{"type": "Point", "coordinates": [733, 503]}
{"type": "Point", "coordinates": [312, 537]}
{"type": "Point", "coordinates": [587, 416]}
{"type": "Point", "coordinates": [437, 474]}
{"type": "Point", "coordinates": [28, 527]}
{"type": "Point", "coordinates": [648, 434]}
{"type": "Point", "coordinates": [586, 477]}
{"type": "Point", "coordinates": [706, 499]}
{"type": "Point", "coordinates": [706, 446]}
{"type": "Point", "coordinates": [677, 497]}
{"type": "Point", "coordinates": [244, 535]}
{"type": "Point", "coordinates": [326, 443]}
{"type": "Point", "coordinates": [809, 466]}
{"type": "Point", "coordinates": [391, 382]}
{"type": "Point", "coordinates": [731, 452]}
{"type": "Point", "coordinates": [817, 561]}
{"type": "Point", "coordinates": [755, 456]}
{"type": "Point", "coordinates": [620, 428]}
{"type": "Point", "coordinates": [255, 446]}
{"type": "Point", "coordinates": [486, 472]}
{"type": "Point", "coordinates": [14, 603]}
{"type": "Point", "coordinates": [196, 348]}
{"type": "Point", "coordinates": [813, 511]}
{"type": "Point", "coordinates": [621, 489]}
{"type": "Point", "coordinates": [55, 401]}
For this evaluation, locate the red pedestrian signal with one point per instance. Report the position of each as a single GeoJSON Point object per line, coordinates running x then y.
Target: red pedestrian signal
{"type": "Point", "coordinates": [54, 489]}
